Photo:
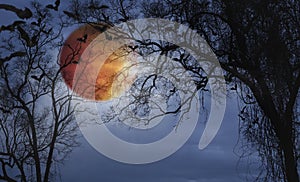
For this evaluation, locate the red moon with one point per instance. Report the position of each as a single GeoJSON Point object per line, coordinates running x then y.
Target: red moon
{"type": "Point", "coordinates": [93, 67]}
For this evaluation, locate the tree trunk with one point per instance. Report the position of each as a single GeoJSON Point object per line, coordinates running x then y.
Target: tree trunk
{"type": "Point", "coordinates": [290, 162]}
{"type": "Point", "coordinates": [288, 149]}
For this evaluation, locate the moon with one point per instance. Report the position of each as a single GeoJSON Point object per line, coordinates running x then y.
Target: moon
{"type": "Point", "coordinates": [91, 77]}
{"type": "Point", "coordinates": [94, 66]}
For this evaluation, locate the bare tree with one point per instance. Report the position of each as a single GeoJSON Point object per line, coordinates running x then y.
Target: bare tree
{"type": "Point", "coordinates": [121, 11]}
{"type": "Point", "coordinates": [36, 122]}
{"type": "Point", "coordinates": [258, 45]}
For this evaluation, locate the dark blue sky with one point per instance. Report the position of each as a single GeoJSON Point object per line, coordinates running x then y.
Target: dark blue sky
{"type": "Point", "coordinates": [216, 163]}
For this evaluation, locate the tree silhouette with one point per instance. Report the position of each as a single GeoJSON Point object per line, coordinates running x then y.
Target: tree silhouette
{"type": "Point", "coordinates": [36, 121]}
{"type": "Point", "coordinates": [145, 87]}
{"type": "Point", "coordinates": [257, 44]}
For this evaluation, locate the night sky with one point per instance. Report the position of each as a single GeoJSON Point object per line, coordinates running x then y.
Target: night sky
{"type": "Point", "coordinates": [216, 163]}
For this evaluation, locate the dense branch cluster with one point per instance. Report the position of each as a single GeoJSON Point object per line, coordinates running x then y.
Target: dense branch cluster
{"type": "Point", "coordinates": [36, 122]}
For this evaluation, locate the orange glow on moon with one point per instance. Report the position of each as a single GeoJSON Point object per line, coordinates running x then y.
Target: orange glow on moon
{"type": "Point", "coordinates": [107, 84]}
{"type": "Point", "coordinates": [92, 66]}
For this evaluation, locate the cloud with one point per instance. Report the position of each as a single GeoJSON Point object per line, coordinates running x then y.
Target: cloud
{"type": "Point", "coordinates": [216, 163]}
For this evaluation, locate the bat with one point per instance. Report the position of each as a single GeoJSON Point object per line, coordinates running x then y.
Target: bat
{"type": "Point", "coordinates": [12, 26]}
{"type": "Point", "coordinates": [55, 7]}
{"type": "Point", "coordinates": [23, 14]}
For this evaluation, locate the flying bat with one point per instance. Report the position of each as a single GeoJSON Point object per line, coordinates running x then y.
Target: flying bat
{"type": "Point", "coordinates": [15, 54]}
{"type": "Point", "coordinates": [71, 15]}
{"type": "Point", "coordinates": [12, 26]}
{"type": "Point", "coordinates": [55, 7]}
{"type": "Point", "coordinates": [82, 39]}
{"type": "Point", "coordinates": [23, 14]}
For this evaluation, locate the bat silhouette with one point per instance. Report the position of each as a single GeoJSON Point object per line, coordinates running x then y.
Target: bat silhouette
{"type": "Point", "coordinates": [23, 14]}
{"type": "Point", "coordinates": [243, 110]}
{"type": "Point", "coordinates": [75, 62]}
{"type": "Point", "coordinates": [55, 7]}
{"type": "Point", "coordinates": [176, 59]}
{"type": "Point", "coordinates": [82, 39]}
{"type": "Point", "coordinates": [124, 19]}
{"type": "Point", "coordinates": [25, 37]}
{"type": "Point", "coordinates": [234, 87]}
{"type": "Point", "coordinates": [249, 96]}
{"type": "Point", "coordinates": [15, 54]}
{"type": "Point", "coordinates": [39, 78]}
{"type": "Point", "coordinates": [173, 90]}
{"type": "Point", "coordinates": [71, 15]}
{"type": "Point", "coordinates": [106, 18]}
{"type": "Point", "coordinates": [38, 23]}
{"type": "Point", "coordinates": [100, 28]}
{"type": "Point", "coordinates": [30, 42]}
{"type": "Point", "coordinates": [41, 14]}
{"type": "Point", "coordinates": [133, 48]}
{"type": "Point", "coordinates": [11, 27]}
